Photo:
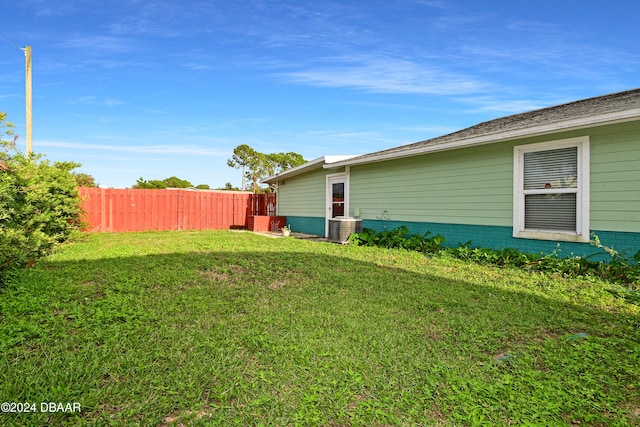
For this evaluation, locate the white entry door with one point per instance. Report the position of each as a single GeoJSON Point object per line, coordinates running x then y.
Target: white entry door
{"type": "Point", "coordinates": [337, 196]}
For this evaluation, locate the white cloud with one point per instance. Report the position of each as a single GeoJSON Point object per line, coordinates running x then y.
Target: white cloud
{"type": "Point", "coordinates": [427, 130]}
{"type": "Point", "coordinates": [92, 44]}
{"type": "Point", "coordinates": [385, 75]}
{"type": "Point", "coordinates": [509, 106]}
{"type": "Point", "coordinates": [190, 150]}
{"type": "Point", "coordinates": [94, 100]}
{"type": "Point", "coordinates": [337, 135]}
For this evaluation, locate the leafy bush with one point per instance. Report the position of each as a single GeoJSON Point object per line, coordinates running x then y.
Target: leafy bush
{"type": "Point", "coordinates": [619, 269]}
{"type": "Point", "coordinates": [39, 204]}
{"type": "Point", "coordinates": [398, 238]}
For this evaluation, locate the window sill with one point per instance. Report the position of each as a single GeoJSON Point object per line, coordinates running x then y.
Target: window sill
{"type": "Point", "coordinates": [550, 235]}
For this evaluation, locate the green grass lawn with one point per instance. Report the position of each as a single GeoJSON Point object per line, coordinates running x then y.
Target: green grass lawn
{"type": "Point", "coordinates": [233, 328]}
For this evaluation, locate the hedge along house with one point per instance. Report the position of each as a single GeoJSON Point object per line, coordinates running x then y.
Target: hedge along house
{"type": "Point", "coordinates": [535, 181]}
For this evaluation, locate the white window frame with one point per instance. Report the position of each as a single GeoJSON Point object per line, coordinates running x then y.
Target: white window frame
{"type": "Point", "coordinates": [582, 195]}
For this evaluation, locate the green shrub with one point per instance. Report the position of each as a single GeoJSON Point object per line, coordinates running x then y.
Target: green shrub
{"type": "Point", "coordinates": [39, 204]}
{"type": "Point", "coordinates": [619, 269]}
{"type": "Point", "coordinates": [398, 238]}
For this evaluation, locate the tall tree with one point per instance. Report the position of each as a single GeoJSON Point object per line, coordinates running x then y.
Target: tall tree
{"type": "Point", "coordinates": [282, 161]}
{"type": "Point", "coordinates": [256, 166]}
{"type": "Point", "coordinates": [244, 157]}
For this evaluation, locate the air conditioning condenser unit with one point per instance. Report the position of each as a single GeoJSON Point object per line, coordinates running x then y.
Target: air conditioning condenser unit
{"type": "Point", "coordinates": [341, 227]}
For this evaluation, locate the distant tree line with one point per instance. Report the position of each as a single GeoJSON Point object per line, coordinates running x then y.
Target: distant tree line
{"type": "Point", "coordinates": [84, 180]}
{"type": "Point", "coordinates": [171, 182]}
{"type": "Point", "coordinates": [175, 182]}
{"type": "Point", "coordinates": [254, 167]}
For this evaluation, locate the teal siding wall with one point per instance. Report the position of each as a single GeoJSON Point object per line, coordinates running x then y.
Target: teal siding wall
{"type": "Point", "coordinates": [495, 237]}
{"type": "Point", "coordinates": [306, 224]}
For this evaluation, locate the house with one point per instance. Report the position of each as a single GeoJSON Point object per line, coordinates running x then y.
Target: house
{"type": "Point", "coordinates": [536, 181]}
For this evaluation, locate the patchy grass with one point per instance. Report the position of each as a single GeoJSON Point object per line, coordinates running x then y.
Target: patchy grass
{"type": "Point", "coordinates": [231, 328]}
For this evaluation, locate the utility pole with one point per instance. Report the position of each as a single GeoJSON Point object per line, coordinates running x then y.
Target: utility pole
{"type": "Point", "coordinates": [29, 119]}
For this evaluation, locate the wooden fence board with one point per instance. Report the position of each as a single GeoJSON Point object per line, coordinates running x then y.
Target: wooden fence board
{"type": "Point", "coordinates": [120, 210]}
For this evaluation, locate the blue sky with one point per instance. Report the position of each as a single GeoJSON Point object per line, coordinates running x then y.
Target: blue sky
{"type": "Point", "coordinates": [157, 88]}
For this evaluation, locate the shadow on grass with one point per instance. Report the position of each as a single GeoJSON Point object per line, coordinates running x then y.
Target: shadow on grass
{"type": "Point", "coordinates": [296, 337]}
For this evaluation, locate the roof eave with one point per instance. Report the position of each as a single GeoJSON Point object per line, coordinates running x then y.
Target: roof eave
{"type": "Point", "coordinates": [311, 164]}
{"type": "Point", "coordinates": [563, 126]}
{"type": "Point", "coordinates": [320, 162]}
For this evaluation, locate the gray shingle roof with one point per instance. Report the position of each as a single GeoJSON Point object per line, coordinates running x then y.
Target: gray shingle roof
{"type": "Point", "coordinates": [519, 123]}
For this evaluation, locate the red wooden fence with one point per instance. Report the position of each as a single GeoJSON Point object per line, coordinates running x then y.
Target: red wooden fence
{"type": "Point", "coordinates": [263, 204]}
{"type": "Point", "coordinates": [116, 210]}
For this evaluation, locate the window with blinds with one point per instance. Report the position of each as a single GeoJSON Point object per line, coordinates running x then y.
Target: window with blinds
{"type": "Point", "coordinates": [550, 190]}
